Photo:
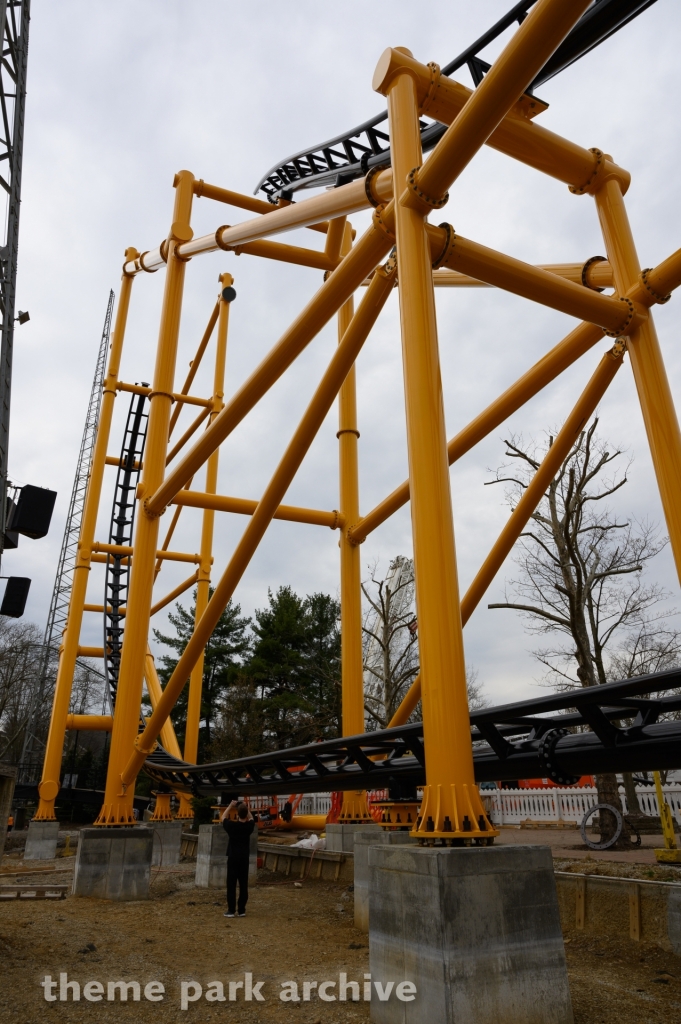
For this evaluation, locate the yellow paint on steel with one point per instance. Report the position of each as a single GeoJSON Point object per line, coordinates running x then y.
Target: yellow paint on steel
{"type": "Point", "coordinates": [609, 312]}
{"type": "Point", "coordinates": [154, 689]}
{"type": "Point", "coordinates": [372, 247]}
{"type": "Point", "coordinates": [195, 364]}
{"type": "Point", "coordinates": [118, 800]}
{"type": "Point", "coordinates": [191, 742]}
{"type": "Point", "coordinates": [89, 723]}
{"type": "Point", "coordinates": [189, 433]}
{"type": "Point", "coordinates": [518, 520]}
{"type": "Point", "coordinates": [128, 551]}
{"type": "Point", "coordinates": [247, 506]}
{"type": "Point", "coordinates": [525, 54]}
{"type": "Point", "coordinates": [517, 136]}
{"type": "Point", "coordinates": [652, 384]}
{"type": "Point", "coordinates": [343, 358]}
{"type": "Point", "coordinates": [354, 807]}
{"type": "Point", "coordinates": [174, 594]}
{"type": "Point", "coordinates": [242, 202]}
{"type": "Point", "coordinates": [593, 275]}
{"type": "Point", "coordinates": [451, 806]}
{"type": "Point", "coordinates": [49, 784]}
{"type": "Point", "coordinates": [182, 399]}
{"type": "Point", "coordinates": [293, 254]}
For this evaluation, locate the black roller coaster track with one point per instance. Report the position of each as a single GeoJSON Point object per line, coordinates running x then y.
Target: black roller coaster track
{"type": "Point", "coordinates": [352, 154]}
{"type": "Point", "coordinates": [623, 726]}
{"type": "Point", "coordinates": [120, 532]}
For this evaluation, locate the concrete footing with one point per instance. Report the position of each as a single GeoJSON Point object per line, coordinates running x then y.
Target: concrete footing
{"type": "Point", "coordinates": [41, 841]}
{"type": "Point", "coordinates": [364, 838]}
{"type": "Point", "coordinates": [211, 857]}
{"type": "Point", "coordinates": [475, 930]}
{"type": "Point", "coordinates": [341, 838]}
{"type": "Point", "coordinates": [113, 863]}
{"type": "Point", "coordinates": [167, 842]}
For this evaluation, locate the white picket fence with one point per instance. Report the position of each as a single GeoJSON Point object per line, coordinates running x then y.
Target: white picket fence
{"type": "Point", "coordinates": [511, 806]}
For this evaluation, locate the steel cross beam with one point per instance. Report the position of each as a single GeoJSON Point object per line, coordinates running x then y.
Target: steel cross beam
{"type": "Point", "coordinates": [350, 155]}
{"type": "Point", "coordinates": [622, 726]}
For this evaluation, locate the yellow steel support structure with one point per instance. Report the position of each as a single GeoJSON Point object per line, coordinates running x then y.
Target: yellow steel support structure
{"type": "Point", "coordinates": [191, 740]}
{"type": "Point", "coordinates": [118, 802]}
{"type": "Point", "coordinates": [49, 784]}
{"type": "Point", "coordinates": [354, 808]}
{"type": "Point", "coordinates": [451, 805]}
{"type": "Point", "coordinates": [498, 114]}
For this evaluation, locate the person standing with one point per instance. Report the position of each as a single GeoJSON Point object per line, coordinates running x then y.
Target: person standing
{"type": "Point", "coordinates": [238, 851]}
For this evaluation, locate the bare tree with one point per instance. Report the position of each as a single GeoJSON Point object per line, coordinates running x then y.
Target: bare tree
{"type": "Point", "coordinates": [391, 651]}
{"type": "Point", "coordinates": [23, 660]}
{"type": "Point", "coordinates": [390, 640]}
{"type": "Point", "coordinates": [581, 574]}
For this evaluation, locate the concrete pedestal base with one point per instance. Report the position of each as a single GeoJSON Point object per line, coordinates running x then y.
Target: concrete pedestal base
{"type": "Point", "coordinates": [167, 842]}
{"type": "Point", "coordinates": [476, 930]}
{"type": "Point", "coordinates": [41, 841]}
{"type": "Point", "coordinates": [341, 838]}
{"type": "Point", "coordinates": [211, 857]}
{"type": "Point", "coordinates": [364, 838]}
{"type": "Point", "coordinates": [113, 863]}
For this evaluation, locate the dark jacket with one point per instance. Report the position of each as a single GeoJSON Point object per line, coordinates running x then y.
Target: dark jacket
{"type": "Point", "coordinates": [239, 833]}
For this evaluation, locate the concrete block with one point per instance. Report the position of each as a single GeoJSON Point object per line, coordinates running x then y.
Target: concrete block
{"type": "Point", "coordinates": [364, 838]}
{"type": "Point", "coordinates": [41, 841]}
{"type": "Point", "coordinates": [477, 930]}
{"type": "Point", "coordinates": [167, 842]}
{"type": "Point", "coordinates": [211, 857]}
{"type": "Point", "coordinates": [113, 863]}
{"type": "Point", "coordinates": [341, 838]}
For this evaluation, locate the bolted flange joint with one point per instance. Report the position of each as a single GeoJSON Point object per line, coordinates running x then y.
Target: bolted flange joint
{"type": "Point", "coordinates": [416, 197]}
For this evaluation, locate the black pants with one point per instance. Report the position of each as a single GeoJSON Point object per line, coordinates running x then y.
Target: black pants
{"type": "Point", "coordinates": [237, 871]}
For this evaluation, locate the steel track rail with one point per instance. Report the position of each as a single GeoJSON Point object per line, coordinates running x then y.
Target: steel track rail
{"type": "Point", "coordinates": [622, 726]}
{"type": "Point", "coordinates": [350, 155]}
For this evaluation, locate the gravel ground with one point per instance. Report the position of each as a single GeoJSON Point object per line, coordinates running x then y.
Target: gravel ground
{"type": "Point", "coordinates": [180, 934]}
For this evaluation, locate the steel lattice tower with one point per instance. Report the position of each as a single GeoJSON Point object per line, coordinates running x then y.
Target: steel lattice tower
{"type": "Point", "coordinates": [61, 594]}
{"type": "Point", "coordinates": [14, 22]}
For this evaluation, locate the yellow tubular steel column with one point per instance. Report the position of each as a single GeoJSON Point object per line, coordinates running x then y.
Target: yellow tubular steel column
{"type": "Point", "coordinates": [354, 807]}
{"type": "Point", "coordinates": [49, 785]}
{"type": "Point", "coordinates": [154, 689]}
{"type": "Point", "coordinates": [451, 808]}
{"type": "Point", "coordinates": [191, 741]}
{"type": "Point", "coordinates": [341, 362]}
{"type": "Point", "coordinates": [118, 800]}
{"type": "Point", "coordinates": [657, 404]}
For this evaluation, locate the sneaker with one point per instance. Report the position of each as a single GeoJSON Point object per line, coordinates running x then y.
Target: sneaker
{"type": "Point", "coordinates": [228, 914]}
{"type": "Point", "coordinates": [241, 915]}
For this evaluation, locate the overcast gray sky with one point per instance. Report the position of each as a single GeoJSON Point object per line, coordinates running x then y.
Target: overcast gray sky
{"type": "Point", "coordinates": [122, 95]}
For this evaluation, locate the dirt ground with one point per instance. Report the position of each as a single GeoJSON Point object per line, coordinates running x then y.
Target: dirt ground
{"type": "Point", "coordinates": [303, 933]}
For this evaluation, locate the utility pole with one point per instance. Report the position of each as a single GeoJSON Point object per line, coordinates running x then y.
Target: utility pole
{"type": "Point", "coordinates": [14, 22]}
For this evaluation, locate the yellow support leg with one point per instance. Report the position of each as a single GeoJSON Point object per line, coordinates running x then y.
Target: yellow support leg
{"type": "Point", "coordinates": [670, 854]}
{"type": "Point", "coordinates": [118, 798]}
{"type": "Point", "coordinates": [49, 784]}
{"type": "Point", "coordinates": [191, 741]}
{"type": "Point", "coordinates": [452, 809]}
{"type": "Point", "coordinates": [354, 808]}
